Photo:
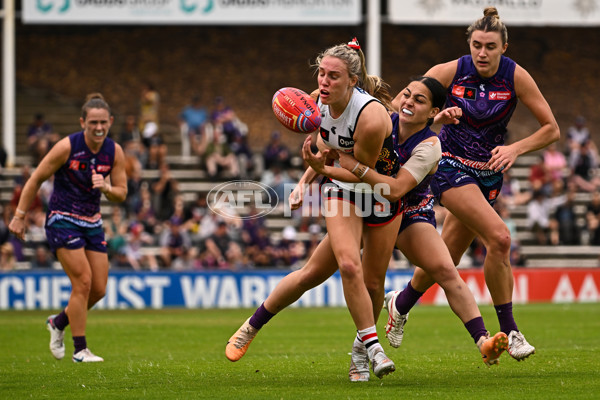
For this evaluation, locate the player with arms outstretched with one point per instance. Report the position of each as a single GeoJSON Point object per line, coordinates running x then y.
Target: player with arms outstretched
{"type": "Point", "coordinates": [486, 85]}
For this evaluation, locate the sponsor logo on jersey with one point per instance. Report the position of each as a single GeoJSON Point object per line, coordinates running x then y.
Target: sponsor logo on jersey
{"type": "Point", "coordinates": [324, 134]}
{"type": "Point", "coordinates": [493, 194]}
{"type": "Point", "coordinates": [103, 168]}
{"type": "Point", "coordinates": [464, 92]}
{"type": "Point", "coordinates": [77, 165]}
{"type": "Point", "coordinates": [500, 96]}
{"type": "Point", "coordinates": [345, 143]}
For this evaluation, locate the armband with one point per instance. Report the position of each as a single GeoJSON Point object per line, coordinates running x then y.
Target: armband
{"type": "Point", "coordinates": [423, 159]}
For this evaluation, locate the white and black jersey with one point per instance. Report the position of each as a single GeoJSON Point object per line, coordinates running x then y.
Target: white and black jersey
{"type": "Point", "coordinates": [338, 133]}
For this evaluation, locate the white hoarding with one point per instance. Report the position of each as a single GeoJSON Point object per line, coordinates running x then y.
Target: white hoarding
{"type": "Point", "coordinates": [512, 12]}
{"type": "Point", "coordinates": [198, 12]}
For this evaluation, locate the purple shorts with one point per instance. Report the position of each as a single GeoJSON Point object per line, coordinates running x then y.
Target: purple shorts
{"type": "Point", "coordinates": [65, 234]}
{"type": "Point", "coordinates": [422, 212]}
{"type": "Point", "coordinates": [375, 210]}
{"type": "Point", "coordinates": [450, 174]}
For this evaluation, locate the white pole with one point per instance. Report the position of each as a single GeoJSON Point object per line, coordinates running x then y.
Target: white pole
{"type": "Point", "coordinates": [374, 37]}
{"type": "Point", "coordinates": [8, 81]}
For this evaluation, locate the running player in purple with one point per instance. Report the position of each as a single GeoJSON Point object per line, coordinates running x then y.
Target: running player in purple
{"type": "Point", "coordinates": [419, 151]}
{"type": "Point", "coordinates": [85, 165]}
{"type": "Point", "coordinates": [486, 86]}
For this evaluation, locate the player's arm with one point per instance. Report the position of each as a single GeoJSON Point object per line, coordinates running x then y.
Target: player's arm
{"type": "Point", "coordinates": [423, 161]}
{"type": "Point", "coordinates": [503, 157]}
{"type": "Point", "coordinates": [116, 189]}
{"type": "Point", "coordinates": [444, 72]}
{"type": "Point", "coordinates": [56, 157]}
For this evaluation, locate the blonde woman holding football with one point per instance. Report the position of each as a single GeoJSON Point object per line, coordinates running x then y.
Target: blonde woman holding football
{"type": "Point", "coordinates": [355, 119]}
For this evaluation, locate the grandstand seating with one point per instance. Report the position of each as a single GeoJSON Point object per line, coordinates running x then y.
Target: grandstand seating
{"type": "Point", "coordinates": [63, 112]}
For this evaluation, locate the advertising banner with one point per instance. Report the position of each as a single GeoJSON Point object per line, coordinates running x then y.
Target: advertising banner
{"type": "Point", "coordinates": [216, 12]}
{"type": "Point", "coordinates": [512, 12]}
{"type": "Point", "coordinates": [224, 289]}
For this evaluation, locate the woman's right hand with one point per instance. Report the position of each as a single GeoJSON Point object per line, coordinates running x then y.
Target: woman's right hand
{"type": "Point", "coordinates": [17, 227]}
{"type": "Point", "coordinates": [297, 196]}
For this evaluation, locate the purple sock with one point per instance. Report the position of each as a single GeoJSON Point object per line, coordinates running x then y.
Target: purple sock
{"type": "Point", "coordinates": [80, 343]}
{"type": "Point", "coordinates": [260, 317]}
{"type": "Point", "coordinates": [407, 299]}
{"type": "Point", "coordinates": [476, 328]}
{"type": "Point", "coordinates": [61, 320]}
{"type": "Point", "coordinates": [505, 317]}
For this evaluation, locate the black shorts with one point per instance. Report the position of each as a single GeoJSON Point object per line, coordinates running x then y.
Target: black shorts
{"type": "Point", "coordinates": [372, 207]}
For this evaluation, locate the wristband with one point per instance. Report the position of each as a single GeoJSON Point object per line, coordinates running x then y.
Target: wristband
{"type": "Point", "coordinates": [361, 171]}
{"type": "Point", "coordinates": [20, 212]}
{"type": "Point", "coordinates": [364, 173]}
{"type": "Point", "coordinates": [356, 166]}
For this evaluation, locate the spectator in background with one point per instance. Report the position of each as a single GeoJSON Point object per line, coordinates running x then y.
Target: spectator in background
{"type": "Point", "coordinates": [276, 177]}
{"type": "Point", "coordinates": [248, 161]}
{"type": "Point", "coordinates": [584, 164]}
{"type": "Point", "coordinates": [40, 138]}
{"type": "Point", "coordinates": [511, 193]}
{"type": "Point", "coordinates": [224, 118]}
{"type": "Point", "coordinates": [144, 208]}
{"type": "Point", "coordinates": [315, 235]}
{"type": "Point", "coordinates": [539, 178]}
{"type": "Point", "coordinates": [175, 244]}
{"type": "Point", "coordinates": [276, 152]}
{"type": "Point", "coordinates": [164, 190]}
{"type": "Point", "coordinates": [222, 248]}
{"type": "Point", "coordinates": [137, 239]}
{"type": "Point", "coordinates": [260, 250]}
{"type": "Point", "coordinates": [219, 155]}
{"type": "Point", "coordinates": [115, 231]}
{"type": "Point", "coordinates": [153, 146]}
{"type": "Point", "coordinates": [131, 139]}
{"type": "Point", "coordinates": [577, 135]}
{"type": "Point", "coordinates": [289, 251]}
{"type": "Point", "coordinates": [563, 224]}
{"type": "Point", "coordinates": [555, 163]}
{"type": "Point", "coordinates": [538, 216]}
{"type": "Point", "coordinates": [42, 258]}
{"type": "Point", "coordinates": [192, 121]}
{"type": "Point", "coordinates": [149, 106]}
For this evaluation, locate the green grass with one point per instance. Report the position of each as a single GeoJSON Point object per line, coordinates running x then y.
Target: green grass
{"type": "Point", "coordinates": [300, 354]}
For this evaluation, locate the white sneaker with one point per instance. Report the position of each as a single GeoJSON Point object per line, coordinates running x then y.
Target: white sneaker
{"type": "Point", "coordinates": [518, 347]}
{"type": "Point", "coordinates": [57, 343]}
{"type": "Point", "coordinates": [382, 365]}
{"type": "Point", "coordinates": [86, 355]}
{"type": "Point", "coordinates": [359, 363]}
{"type": "Point", "coordinates": [394, 329]}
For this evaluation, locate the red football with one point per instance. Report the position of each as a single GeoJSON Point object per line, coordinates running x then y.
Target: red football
{"type": "Point", "coordinates": [296, 110]}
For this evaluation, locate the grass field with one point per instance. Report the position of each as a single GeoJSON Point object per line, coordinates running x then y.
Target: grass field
{"type": "Point", "coordinates": [300, 354]}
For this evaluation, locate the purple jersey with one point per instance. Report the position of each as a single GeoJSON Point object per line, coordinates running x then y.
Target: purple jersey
{"type": "Point", "coordinates": [73, 197]}
{"type": "Point", "coordinates": [420, 197]}
{"type": "Point", "coordinates": [487, 106]}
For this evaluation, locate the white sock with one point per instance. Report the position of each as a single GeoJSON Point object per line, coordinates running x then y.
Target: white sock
{"type": "Point", "coordinates": [371, 341]}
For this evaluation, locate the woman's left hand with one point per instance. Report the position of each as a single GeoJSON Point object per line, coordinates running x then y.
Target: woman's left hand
{"type": "Point", "coordinates": [347, 161]}
{"type": "Point", "coordinates": [316, 161]}
{"type": "Point", "coordinates": [449, 116]}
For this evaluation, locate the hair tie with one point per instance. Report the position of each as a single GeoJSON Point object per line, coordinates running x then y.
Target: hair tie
{"type": "Point", "coordinates": [353, 44]}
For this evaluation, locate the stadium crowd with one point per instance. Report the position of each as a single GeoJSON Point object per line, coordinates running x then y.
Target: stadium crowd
{"type": "Point", "coordinates": [155, 228]}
